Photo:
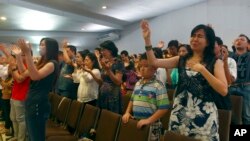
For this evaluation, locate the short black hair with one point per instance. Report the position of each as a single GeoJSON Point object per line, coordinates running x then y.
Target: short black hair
{"type": "Point", "coordinates": [110, 45]}
{"type": "Point", "coordinates": [243, 35]}
{"type": "Point", "coordinates": [60, 52]}
{"type": "Point", "coordinates": [72, 48]}
{"type": "Point", "coordinates": [218, 41]}
{"type": "Point", "coordinates": [174, 43]}
{"type": "Point", "coordinates": [124, 52]}
{"type": "Point", "coordinates": [143, 57]}
{"type": "Point", "coordinates": [158, 53]}
{"type": "Point", "coordinates": [99, 49]}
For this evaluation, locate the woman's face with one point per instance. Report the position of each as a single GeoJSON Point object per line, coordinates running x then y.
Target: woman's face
{"type": "Point", "coordinates": [88, 62]}
{"type": "Point", "coordinates": [198, 41]}
{"type": "Point", "coordinates": [106, 53]}
{"type": "Point", "coordinates": [79, 59]}
{"type": "Point", "coordinates": [42, 48]}
{"type": "Point", "coordinates": [182, 51]}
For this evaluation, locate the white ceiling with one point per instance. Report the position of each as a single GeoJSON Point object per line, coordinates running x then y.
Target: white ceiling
{"type": "Point", "coordinates": [81, 21]}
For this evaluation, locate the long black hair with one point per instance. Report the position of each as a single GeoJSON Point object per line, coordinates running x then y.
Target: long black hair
{"type": "Point", "coordinates": [208, 54]}
{"type": "Point", "coordinates": [52, 50]}
{"type": "Point", "coordinates": [93, 58]}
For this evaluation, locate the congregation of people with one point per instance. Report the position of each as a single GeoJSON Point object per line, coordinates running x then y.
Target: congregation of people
{"type": "Point", "coordinates": [203, 73]}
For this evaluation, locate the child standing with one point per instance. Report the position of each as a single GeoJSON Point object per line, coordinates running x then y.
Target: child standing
{"type": "Point", "coordinates": [149, 100]}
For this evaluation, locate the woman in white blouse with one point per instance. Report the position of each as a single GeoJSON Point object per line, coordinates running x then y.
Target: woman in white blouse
{"type": "Point", "coordinates": [90, 79]}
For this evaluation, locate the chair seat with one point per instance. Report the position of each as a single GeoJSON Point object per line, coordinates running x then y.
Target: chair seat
{"type": "Point", "coordinates": [62, 138]}
{"type": "Point", "coordinates": [56, 132]}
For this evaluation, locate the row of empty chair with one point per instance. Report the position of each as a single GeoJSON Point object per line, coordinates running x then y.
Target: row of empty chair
{"type": "Point", "coordinates": [72, 119]}
{"type": "Point", "coordinates": [78, 119]}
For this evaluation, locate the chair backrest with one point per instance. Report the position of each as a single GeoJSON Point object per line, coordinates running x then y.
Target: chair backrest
{"type": "Point", "coordinates": [172, 136]}
{"type": "Point", "coordinates": [54, 100]}
{"type": "Point", "coordinates": [107, 126]}
{"type": "Point", "coordinates": [237, 102]}
{"type": "Point", "coordinates": [62, 110]}
{"type": "Point", "coordinates": [74, 113]}
{"type": "Point", "coordinates": [129, 132]}
{"type": "Point", "coordinates": [224, 124]}
{"type": "Point", "coordinates": [125, 101]}
{"type": "Point", "coordinates": [88, 119]}
{"type": "Point", "coordinates": [171, 93]}
{"type": "Point", "coordinates": [165, 120]}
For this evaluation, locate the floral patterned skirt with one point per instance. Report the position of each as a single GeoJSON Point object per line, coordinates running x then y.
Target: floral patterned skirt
{"type": "Point", "coordinates": [193, 117]}
{"type": "Point", "coordinates": [110, 98]}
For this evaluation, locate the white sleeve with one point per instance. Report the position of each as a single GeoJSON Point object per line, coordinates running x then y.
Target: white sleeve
{"type": "Point", "coordinates": [232, 65]}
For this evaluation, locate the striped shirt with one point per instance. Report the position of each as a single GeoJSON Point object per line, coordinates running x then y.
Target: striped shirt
{"type": "Point", "coordinates": [148, 98]}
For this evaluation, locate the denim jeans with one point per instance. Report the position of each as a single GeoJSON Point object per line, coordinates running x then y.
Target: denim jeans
{"type": "Point", "coordinates": [243, 90]}
{"type": "Point", "coordinates": [36, 122]}
{"type": "Point", "coordinates": [17, 115]}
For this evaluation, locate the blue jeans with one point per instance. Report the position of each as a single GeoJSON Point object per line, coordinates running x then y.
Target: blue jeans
{"type": "Point", "coordinates": [244, 91]}
{"type": "Point", "coordinates": [17, 115]}
{"type": "Point", "coordinates": [36, 122]}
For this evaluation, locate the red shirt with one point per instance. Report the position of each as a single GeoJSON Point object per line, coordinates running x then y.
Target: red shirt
{"type": "Point", "coordinates": [20, 90]}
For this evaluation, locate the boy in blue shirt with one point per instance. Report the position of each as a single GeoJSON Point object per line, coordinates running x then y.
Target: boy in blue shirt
{"type": "Point", "coordinates": [149, 100]}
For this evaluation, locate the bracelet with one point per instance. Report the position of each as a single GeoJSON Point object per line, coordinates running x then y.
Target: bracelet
{"type": "Point", "coordinates": [148, 48]}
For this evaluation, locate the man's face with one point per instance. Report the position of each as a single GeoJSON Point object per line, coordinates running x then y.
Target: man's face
{"type": "Point", "coordinates": [241, 43]}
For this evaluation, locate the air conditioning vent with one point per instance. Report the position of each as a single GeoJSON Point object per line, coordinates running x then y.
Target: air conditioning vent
{"type": "Point", "coordinates": [109, 36]}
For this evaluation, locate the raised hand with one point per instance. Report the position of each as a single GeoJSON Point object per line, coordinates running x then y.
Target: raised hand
{"type": "Point", "coordinates": [15, 50]}
{"type": "Point", "coordinates": [145, 30]}
{"type": "Point", "coordinates": [224, 53]}
{"type": "Point", "coordinates": [24, 46]}
{"type": "Point", "coordinates": [64, 43]}
{"type": "Point", "coordinates": [161, 44]}
{"type": "Point", "coordinates": [106, 65]}
{"type": "Point", "coordinates": [2, 46]}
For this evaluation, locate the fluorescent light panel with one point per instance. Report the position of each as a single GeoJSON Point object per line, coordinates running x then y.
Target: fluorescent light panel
{"type": "Point", "coordinates": [36, 20]}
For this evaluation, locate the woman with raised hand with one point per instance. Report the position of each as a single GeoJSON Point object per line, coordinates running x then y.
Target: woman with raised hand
{"type": "Point", "coordinates": [112, 72]}
{"type": "Point", "coordinates": [194, 112]}
{"type": "Point", "coordinates": [90, 80]}
{"type": "Point", "coordinates": [43, 76]}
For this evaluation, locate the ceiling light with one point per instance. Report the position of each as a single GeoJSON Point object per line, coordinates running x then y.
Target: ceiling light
{"type": "Point", "coordinates": [40, 21]}
{"type": "Point", "coordinates": [3, 18]}
{"type": "Point", "coordinates": [104, 7]}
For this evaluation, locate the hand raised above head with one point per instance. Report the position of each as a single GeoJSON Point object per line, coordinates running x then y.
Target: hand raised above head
{"type": "Point", "coordinates": [15, 50]}
{"type": "Point", "coordinates": [161, 44]}
{"type": "Point", "coordinates": [64, 44]}
{"type": "Point", "coordinates": [145, 29]}
{"type": "Point", "coordinates": [26, 48]}
{"type": "Point", "coordinates": [2, 46]}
